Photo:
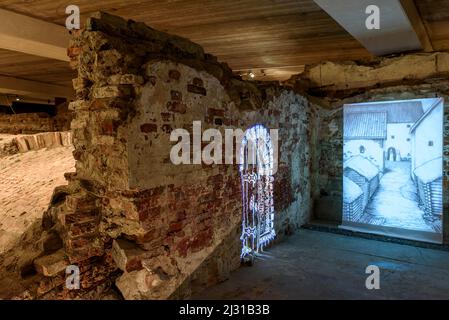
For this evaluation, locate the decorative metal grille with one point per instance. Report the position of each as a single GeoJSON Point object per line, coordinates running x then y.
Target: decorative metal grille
{"type": "Point", "coordinates": [256, 170]}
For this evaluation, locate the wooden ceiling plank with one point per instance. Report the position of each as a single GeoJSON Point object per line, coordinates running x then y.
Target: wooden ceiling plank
{"type": "Point", "coordinates": [33, 88]}
{"type": "Point", "coordinates": [243, 33]}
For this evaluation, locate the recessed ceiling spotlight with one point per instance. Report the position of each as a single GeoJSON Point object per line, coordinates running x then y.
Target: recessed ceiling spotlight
{"type": "Point", "coordinates": [251, 75]}
{"type": "Point", "coordinates": [17, 98]}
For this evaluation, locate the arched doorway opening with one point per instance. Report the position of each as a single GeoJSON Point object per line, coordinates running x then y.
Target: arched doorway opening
{"type": "Point", "coordinates": [391, 154]}
{"type": "Point", "coordinates": [256, 171]}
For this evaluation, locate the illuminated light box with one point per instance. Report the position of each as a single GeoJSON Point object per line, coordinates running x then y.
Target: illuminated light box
{"type": "Point", "coordinates": [393, 168]}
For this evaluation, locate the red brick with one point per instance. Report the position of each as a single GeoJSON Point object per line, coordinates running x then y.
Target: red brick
{"type": "Point", "coordinates": [174, 74]}
{"type": "Point", "coordinates": [77, 154]}
{"type": "Point", "coordinates": [167, 128]}
{"type": "Point", "coordinates": [183, 247]}
{"type": "Point", "coordinates": [148, 127]}
{"type": "Point", "coordinates": [212, 112]}
{"type": "Point", "coordinates": [134, 264]}
{"type": "Point", "coordinates": [175, 226]}
{"type": "Point", "coordinates": [216, 180]}
{"type": "Point", "coordinates": [176, 106]}
{"type": "Point", "coordinates": [196, 89]}
{"type": "Point", "coordinates": [202, 240]}
{"type": "Point", "coordinates": [167, 116]}
{"type": "Point", "coordinates": [148, 213]}
{"type": "Point", "coordinates": [107, 127]}
{"type": "Point", "coordinates": [176, 95]}
{"type": "Point", "coordinates": [198, 82]}
{"type": "Point", "coordinates": [73, 52]}
{"type": "Point", "coordinates": [152, 80]}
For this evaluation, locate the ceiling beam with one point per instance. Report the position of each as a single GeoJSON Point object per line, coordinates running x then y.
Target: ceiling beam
{"type": "Point", "coordinates": [33, 36]}
{"type": "Point", "coordinates": [33, 89]}
{"type": "Point", "coordinates": [415, 19]}
{"type": "Point", "coordinates": [395, 35]}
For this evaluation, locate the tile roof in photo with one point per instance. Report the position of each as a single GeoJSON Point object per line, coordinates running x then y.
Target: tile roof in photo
{"type": "Point", "coordinates": [365, 125]}
{"type": "Point", "coordinates": [397, 112]}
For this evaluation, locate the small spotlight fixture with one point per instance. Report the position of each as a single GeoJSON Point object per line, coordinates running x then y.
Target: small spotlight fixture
{"type": "Point", "coordinates": [17, 98]}
{"type": "Point", "coordinates": [251, 75]}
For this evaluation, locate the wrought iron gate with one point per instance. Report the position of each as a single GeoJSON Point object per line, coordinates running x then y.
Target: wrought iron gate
{"type": "Point", "coordinates": [256, 170]}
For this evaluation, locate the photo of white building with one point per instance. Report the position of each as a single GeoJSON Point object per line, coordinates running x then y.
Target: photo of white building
{"type": "Point", "coordinates": [393, 152]}
{"type": "Point", "coordinates": [426, 163]}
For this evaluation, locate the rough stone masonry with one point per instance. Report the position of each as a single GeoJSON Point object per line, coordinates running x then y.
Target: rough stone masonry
{"type": "Point", "coordinates": [128, 214]}
{"type": "Point", "coordinates": [35, 122]}
{"type": "Point", "coordinates": [156, 230]}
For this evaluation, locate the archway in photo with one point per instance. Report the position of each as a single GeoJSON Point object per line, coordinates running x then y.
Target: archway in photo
{"type": "Point", "coordinates": [256, 171]}
{"type": "Point", "coordinates": [391, 154]}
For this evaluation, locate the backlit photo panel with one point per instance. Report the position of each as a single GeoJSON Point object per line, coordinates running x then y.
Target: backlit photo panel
{"type": "Point", "coordinates": [392, 164]}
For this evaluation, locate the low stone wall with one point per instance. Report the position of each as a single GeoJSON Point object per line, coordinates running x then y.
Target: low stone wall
{"type": "Point", "coordinates": [7, 145]}
{"type": "Point", "coordinates": [28, 123]}
{"type": "Point", "coordinates": [44, 140]}
{"type": "Point", "coordinates": [23, 143]}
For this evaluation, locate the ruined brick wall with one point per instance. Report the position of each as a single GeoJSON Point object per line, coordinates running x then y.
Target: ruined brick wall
{"type": "Point", "coordinates": [26, 123]}
{"type": "Point", "coordinates": [400, 78]}
{"type": "Point", "coordinates": [63, 117]}
{"type": "Point", "coordinates": [128, 211]}
{"type": "Point", "coordinates": [36, 122]}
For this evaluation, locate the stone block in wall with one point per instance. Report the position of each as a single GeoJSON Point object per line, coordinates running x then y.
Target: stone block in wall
{"type": "Point", "coordinates": [113, 91]}
{"type": "Point", "coordinates": [78, 105]}
{"type": "Point", "coordinates": [443, 62]}
{"type": "Point", "coordinates": [79, 83]}
{"type": "Point", "coordinates": [143, 285]}
{"type": "Point", "coordinates": [127, 255]}
{"type": "Point", "coordinates": [50, 283]}
{"type": "Point", "coordinates": [83, 248]}
{"type": "Point", "coordinates": [43, 140]}
{"type": "Point", "coordinates": [132, 79]}
{"type": "Point", "coordinates": [66, 138]}
{"type": "Point", "coordinates": [52, 264]}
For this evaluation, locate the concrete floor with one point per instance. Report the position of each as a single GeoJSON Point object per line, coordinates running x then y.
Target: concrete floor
{"type": "Point", "coordinates": [320, 265]}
